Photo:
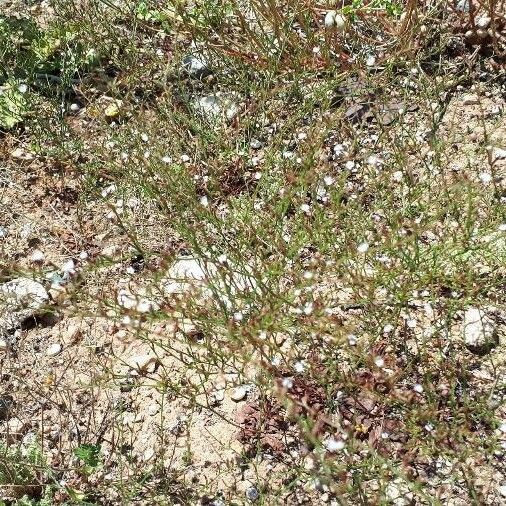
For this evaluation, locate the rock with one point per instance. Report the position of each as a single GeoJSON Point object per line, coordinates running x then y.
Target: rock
{"type": "Point", "coordinates": [255, 144]}
{"type": "Point", "coordinates": [482, 22]}
{"type": "Point", "coordinates": [335, 22]}
{"type": "Point", "coordinates": [252, 494]}
{"type": "Point", "coordinates": [148, 454]}
{"type": "Point", "coordinates": [217, 106]}
{"type": "Point", "coordinates": [20, 299]}
{"type": "Point", "coordinates": [463, 5]}
{"type": "Point", "coordinates": [54, 349]}
{"type": "Point", "coordinates": [398, 493]}
{"type": "Point", "coordinates": [4, 345]}
{"type": "Point", "coordinates": [498, 154]}
{"type": "Point", "coordinates": [502, 490]}
{"type": "Point", "coordinates": [142, 363]}
{"type": "Point", "coordinates": [15, 426]}
{"type": "Point", "coordinates": [196, 66]}
{"type": "Point", "coordinates": [189, 273]}
{"type": "Point", "coordinates": [480, 333]}
{"type": "Point", "coordinates": [113, 109]}
{"type": "Point", "coordinates": [238, 393]}
{"type": "Point", "coordinates": [71, 334]}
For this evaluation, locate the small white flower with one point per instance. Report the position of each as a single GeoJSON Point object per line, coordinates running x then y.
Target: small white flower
{"type": "Point", "coordinates": [379, 362]}
{"type": "Point", "coordinates": [388, 328]}
{"type": "Point", "coordinates": [429, 427]}
{"type": "Point", "coordinates": [74, 107]}
{"type": "Point", "coordinates": [305, 208]}
{"type": "Point", "coordinates": [83, 255]}
{"type": "Point", "coordinates": [257, 175]}
{"type": "Point", "coordinates": [349, 165]}
{"type": "Point", "coordinates": [397, 176]}
{"type": "Point", "coordinates": [502, 427]}
{"type": "Point", "coordinates": [145, 137]}
{"type": "Point", "coordinates": [385, 435]}
{"type": "Point", "coordinates": [276, 360]}
{"type": "Point", "coordinates": [308, 308]}
{"type": "Point", "coordinates": [130, 270]}
{"type": "Point", "coordinates": [418, 388]}
{"type": "Point", "coordinates": [370, 61]}
{"type": "Point", "coordinates": [68, 267]}
{"type": "Point", "coordinates": [301, 136]}
{"type": "Point", "coordinates": [316, 49]}
{"type": "Point", "coordinates": [338, 149]}
{"type": "Point", "coordinates": [352, 340]}
{"type": "Point", "coordinates": [363, 247]}
{"type": "Point", "coordinates": [328, 180]}
{"type": "Point", "coordinates": [204, 201]}
{"type": "Point", "coordinates": [300, 366]}
{"type": "Point", "coordinates": [411, 323]}
{"type": "Point", "coordinates": [374, 161]}
{"type": "Point", "coordinates": [287, 383]}
{"type": "Point", "coordinates": [502, 227]}
{"type": "Point", "coordinates": [22, 88]}
{"type": "Point", "coordinates": [238, 316]}
{"type": "Point", "coordinates": [332, 445]}
{"type": "Point", "coordinates": [185, 158]}
{"type": "Point", "coordinates": [166, 159]}
{"type": "Point", "coordinates": [222, 259]}
{"type": "Point", "coordinates": [486, 177]}
{"type": "Point", "coordinates": [308, 275]}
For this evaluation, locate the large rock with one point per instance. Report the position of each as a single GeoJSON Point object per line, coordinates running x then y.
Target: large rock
{"type": "Point", "coordinates": [20, 299]}
{"type": "Point", "coordinates": [221, 283]}
{"type": "Point", "coordinates": [480, 331]}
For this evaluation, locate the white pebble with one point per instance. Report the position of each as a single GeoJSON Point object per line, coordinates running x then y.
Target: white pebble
{"type": "Point", "coordinates": [37, 256]}
{"type": "Point", "coordinates": [54, 350]}
{"type": "Point", "coordinates": [238, 393]}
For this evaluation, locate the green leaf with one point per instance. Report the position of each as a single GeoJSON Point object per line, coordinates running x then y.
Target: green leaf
{"type": "Point", "coordinates": [13, 104]}
{"type": "Point", "coordinates": [89, 454]}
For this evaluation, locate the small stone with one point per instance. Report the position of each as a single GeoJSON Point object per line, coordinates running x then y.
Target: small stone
{"type": "Point", "coordinates": [216, 106]}
{"type": "Point", "coordinates": [148, 454]}
{"type": "Point", "coordinates": [480, 333]}
{"type": "Point", "coordinates": [238, 393]}
{"type": "Point", "coordinates": [54, 349]}
{"type": "Point", "coordinates": [196, 66]}
{"type": "Point", "coordinates": [483, 22]}
{"type": "Point", "coordinates": [72, 334]}
{"type": "Point", "coordinates": [37, 256]}
{"type": "Point", "coordinates": [113, 109]}
{"type": "Point", "coordinates": [20, 299]}
{"type": "Point", "coordinates": [463, 5]}
{"type": "Point", "coordinates": [218, 395]}
{"type": "Point", "coordinates": [502, 490]}
{"type": "Point", "coordinates": [252, 494]}
{"type": "Point", "coordinates": [398, 493]}
{"type": "Point", "coordinates": [15, 426]}
{"type": "Point", "coordinates": [4, 345]}
{"type": "Point", "coordinates": [498, 154]}
{"type": "Point", "coordinates": [255, 144]}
